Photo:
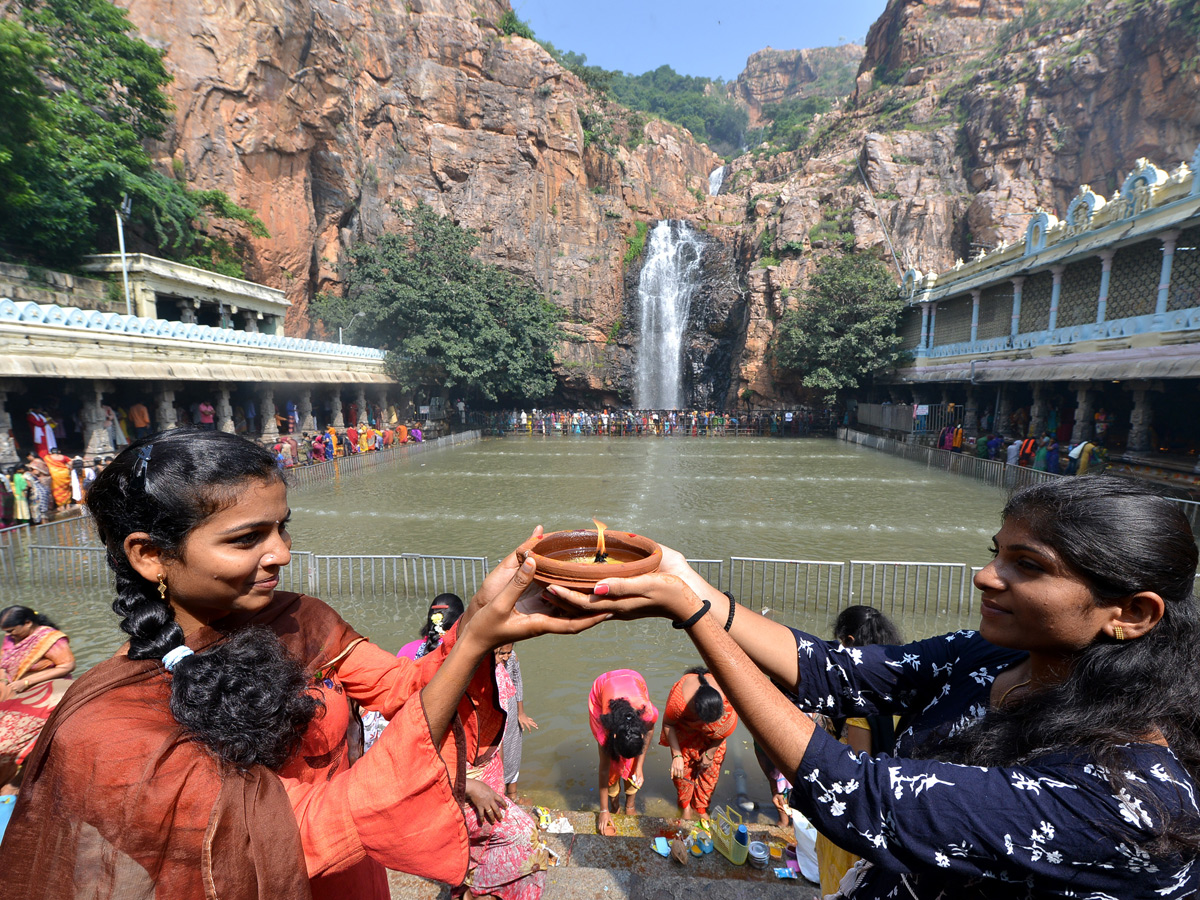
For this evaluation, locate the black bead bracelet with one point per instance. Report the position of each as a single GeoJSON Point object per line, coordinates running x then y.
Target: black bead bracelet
{"type": "Point", "coordinates": [732, 610]}
{"type": "Point", "coordinates": [688, 623]}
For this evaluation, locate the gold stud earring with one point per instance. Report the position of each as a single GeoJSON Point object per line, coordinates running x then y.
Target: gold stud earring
{"type": "Point", "coordinates": [162, 587]}
{"type": "Point", "coordinates": [1118, 632]}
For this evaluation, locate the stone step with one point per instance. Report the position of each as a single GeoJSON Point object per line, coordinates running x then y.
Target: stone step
{"type": "Point", "coordinates": [626, 867]}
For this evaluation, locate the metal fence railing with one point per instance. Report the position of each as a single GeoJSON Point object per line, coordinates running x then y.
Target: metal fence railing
{"type": "Point", "coordinates": [330, 469]}
{"type": "Point", "coordinates": [68, 567]}
{"type": "Point", "coordinates": [990, 471]}
{"type": "Point", "coordinates": [76, 531]}
{"type": "Point", "coordinates": [406, 575]}
{"type": "Point", "coordinates": [12, 548]}
{"type": "Point", "coordinates": [789, 586]}
{"type": "Point", "coordinates": [911, 587]}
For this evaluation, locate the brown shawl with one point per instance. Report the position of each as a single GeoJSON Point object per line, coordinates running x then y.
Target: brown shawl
{"type": "Point", "coordinates": [119, 803]}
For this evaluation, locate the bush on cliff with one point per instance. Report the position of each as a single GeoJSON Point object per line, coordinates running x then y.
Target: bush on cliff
{"type": "Point", "coordinates": [445, 318]}
{"type": "Point", "coordinates": [845, 326]}
{"type": "Point", "coordinates": [80, 94]}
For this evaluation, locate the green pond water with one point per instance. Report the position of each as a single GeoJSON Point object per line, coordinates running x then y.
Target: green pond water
{"type": "Point", "coordinates": [815, 499]}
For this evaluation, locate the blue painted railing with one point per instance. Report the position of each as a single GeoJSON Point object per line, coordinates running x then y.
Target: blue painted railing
{"type": "Point", "coordinates": [115, 323]}
{"type": "Point", "coordinates": [1176, 320]}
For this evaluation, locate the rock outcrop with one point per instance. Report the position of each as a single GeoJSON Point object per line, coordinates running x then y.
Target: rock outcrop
{"type": "Point", "coordinates": [324, 116]}
{"type": "Point", "coordinates": [331, 117]}
{"type": "Point", "coordinates": [774, 75]}
{"type": "Point", "coordinates": [967, 117]}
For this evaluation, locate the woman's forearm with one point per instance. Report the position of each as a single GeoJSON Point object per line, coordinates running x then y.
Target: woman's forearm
{"type": "Point", "coordinates": [440, 697]}
{"type": "Point", "coordinates": [770, 645]}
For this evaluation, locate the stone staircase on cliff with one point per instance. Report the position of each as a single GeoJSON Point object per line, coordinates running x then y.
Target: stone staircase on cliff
{"type": "Point", "coordinates": [625, 867]}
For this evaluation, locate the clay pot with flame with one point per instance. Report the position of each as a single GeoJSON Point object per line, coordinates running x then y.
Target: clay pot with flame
{"type": "Point", "coordinates": [578, 559]}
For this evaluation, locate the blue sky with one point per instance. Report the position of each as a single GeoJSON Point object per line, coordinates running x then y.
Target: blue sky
{"type": "Point", "coordinates": [700, 37]}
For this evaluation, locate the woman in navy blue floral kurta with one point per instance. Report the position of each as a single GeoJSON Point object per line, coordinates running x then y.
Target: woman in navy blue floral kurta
{"type": "Point", "coordinates": [1068, 722]}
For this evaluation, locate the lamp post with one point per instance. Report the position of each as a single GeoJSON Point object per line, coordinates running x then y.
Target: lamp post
{"type": "Point", "coordinates": [352, 318]}
{"type": "Point", "coordinates": [122, 215]}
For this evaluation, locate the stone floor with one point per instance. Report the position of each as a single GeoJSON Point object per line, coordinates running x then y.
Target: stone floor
{"type": "Point", "coordinates": [625, 867]}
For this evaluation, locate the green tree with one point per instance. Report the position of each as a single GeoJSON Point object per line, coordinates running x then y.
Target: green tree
{"type": "Point", "coordinates": [444, 317]}
{"type": "Point", "coordinates": [67, 164]}
{"type": "Point", "coordinates": [845, 327]}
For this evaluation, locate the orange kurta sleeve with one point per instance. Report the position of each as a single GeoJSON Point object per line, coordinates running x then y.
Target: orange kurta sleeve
{"type": "Point", "coordinates": [395, 805]}
{"type": "Point", "coordinates": [380, 681]}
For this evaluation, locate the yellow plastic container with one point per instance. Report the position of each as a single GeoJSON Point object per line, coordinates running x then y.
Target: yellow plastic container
{"type": "Point", "coordinates": [725, 826]}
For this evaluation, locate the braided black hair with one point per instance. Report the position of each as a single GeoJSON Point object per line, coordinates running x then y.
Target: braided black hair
{"type": "Point", "coordinates": [707, 702]}
{"type": "Point", "coordinates": [244, 698]}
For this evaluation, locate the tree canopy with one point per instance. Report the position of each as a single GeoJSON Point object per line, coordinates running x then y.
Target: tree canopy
{"type": "Point", "coordinates": [80, 94]}
{"type": "Point", "coordinates": [845, 327]}
{"type": "Point", "coordinates": [444, 317]}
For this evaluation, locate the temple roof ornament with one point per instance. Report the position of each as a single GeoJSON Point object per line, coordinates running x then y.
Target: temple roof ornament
{"type": "Point", "coordinates": [1035, 232]}
{"type": "Point", "coordinates": [1085, 205]}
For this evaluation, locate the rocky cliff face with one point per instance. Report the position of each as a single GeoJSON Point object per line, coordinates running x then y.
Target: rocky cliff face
{"type": "Point", "coordinates": [322, 115]}
{"type": "Point", "coordinates": [968, 116]}
{"type": "Point", "coordinates": [774, 75]}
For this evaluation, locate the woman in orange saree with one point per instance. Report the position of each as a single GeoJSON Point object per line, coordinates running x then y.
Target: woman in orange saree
{"type": "Point", "coordinates": [696, 722]}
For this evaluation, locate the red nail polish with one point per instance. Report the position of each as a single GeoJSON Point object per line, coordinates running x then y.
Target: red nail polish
{"type": "Point", "coordinates": [600, 590]}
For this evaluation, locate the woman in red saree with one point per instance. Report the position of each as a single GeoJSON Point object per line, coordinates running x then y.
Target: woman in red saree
{"type": "Point", "coordinates": [696, 722]}
{"type": "Point", "coordinates": [212, 755]}
{"type": "Point", "coordinates": [35, 665]}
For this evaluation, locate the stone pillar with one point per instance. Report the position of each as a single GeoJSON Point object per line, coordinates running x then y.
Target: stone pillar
{"type": "Point", "coordinates": [266, 408]}
{"type": "Point", "coordinates": [924, 326]}
{"type": "Point", "coordinates": [1084, 426]}
{"type": "Point", "coordinates": [1168, 239]}
{"type": "Point", "coordinates": [335, 410]}
{"type": "Point", "coordinates": [976, 296]}
{"type": "Point", "coordinates": [1106, 258]}
{"type": "Point", "coordinates": [360, 401]}
{"type": "Point", "coordinates": [1037, 413]}
{"type": "Point", "coordinates": [1016, 310]}
{"type": "Point", "coordinates": [8, 447]}
{"type": "Point", "coordinates": [96, 439]}
{"type": "Point", "coordinates": [1055, 293]}
{"type": "Point", "coordinates": [164, 410]}
{"type": "Point", "coordinates": [187, 313]}
{"type": "Point", "coordinates": [304, 410]}
{"type": "Point", "coordinates": [1140, 419]}
{"type": "Point", "coordinates": [1003, 411]}
{"type": "Point", "coordinates": [250, 321]}
{"type": "Point", "coordinates": [932, 324]}
{"type": "Point", "coordinates": [224, 410]}
{"type": "Point", "coordinates": [971, 413]}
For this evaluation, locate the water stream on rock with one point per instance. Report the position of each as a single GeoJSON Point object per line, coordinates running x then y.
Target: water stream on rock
{"type": "Point", "coordinates": [715, 179]}
{"type": "Point", "coordinates": [669, 277]}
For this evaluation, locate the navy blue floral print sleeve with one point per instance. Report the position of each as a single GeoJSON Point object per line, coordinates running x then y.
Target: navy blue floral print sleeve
{"type": "Point", "coordinates": [938, 830]}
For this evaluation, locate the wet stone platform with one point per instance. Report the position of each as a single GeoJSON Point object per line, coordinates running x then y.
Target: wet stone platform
{"type": "Point", "coordinates": [625, 867]}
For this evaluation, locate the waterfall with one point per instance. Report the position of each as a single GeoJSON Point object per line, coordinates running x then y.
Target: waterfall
{"type": "Point", "coordinates": [715, 179]}
{"type": "Point", "coordinates": [669, 277]}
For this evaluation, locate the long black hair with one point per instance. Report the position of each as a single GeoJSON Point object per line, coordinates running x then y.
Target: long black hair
{"type": "Point", "coordinates": [12, 616]}
{"type": "Point", "coordinates": [244, 698]}
{"type": "Point", "coordinates": [1119, 538]}
{"type": "Point", "coordinates": [865, 625]}
{"type": "Point", "coordinates": [450, 607]}
{"type": "Point", "coordinates": [624, 729]}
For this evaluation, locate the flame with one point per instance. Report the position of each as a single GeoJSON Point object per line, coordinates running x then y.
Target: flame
{"type": "Point", "coordinates": [600, 527]}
